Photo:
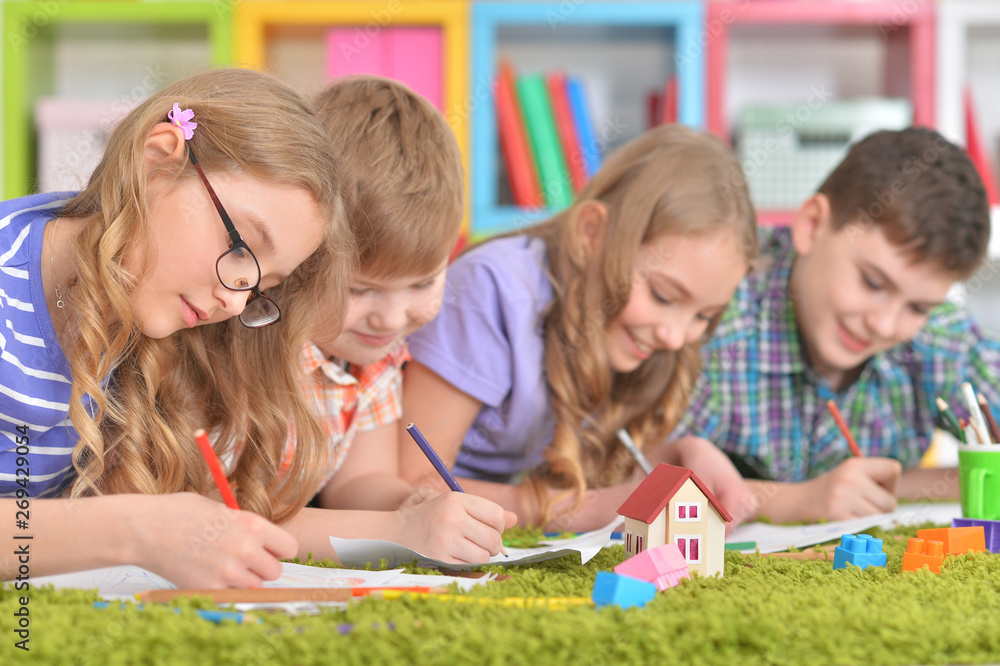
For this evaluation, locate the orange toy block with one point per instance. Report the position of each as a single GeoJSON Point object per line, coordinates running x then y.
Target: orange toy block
{"type": "Point", "coordinates": [920, 553]}
{"type": "Point", "coordinates": [957, 540]}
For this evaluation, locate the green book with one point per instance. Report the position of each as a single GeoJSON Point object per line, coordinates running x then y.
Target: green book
{"type": "Point", "coordinates": [537, 109]}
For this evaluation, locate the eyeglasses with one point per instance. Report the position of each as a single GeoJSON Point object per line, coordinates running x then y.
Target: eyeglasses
{"type": "Point", "coordinates": [238, 269]}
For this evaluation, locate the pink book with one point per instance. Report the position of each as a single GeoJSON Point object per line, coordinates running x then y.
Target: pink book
{"type": "Point", "coordinates": [411, 55]}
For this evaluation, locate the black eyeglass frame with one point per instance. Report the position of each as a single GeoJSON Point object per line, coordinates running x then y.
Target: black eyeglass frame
{"type": "Point", "coordinates": [236, 242]}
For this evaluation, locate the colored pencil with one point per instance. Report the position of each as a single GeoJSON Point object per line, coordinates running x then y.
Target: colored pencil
{"type": "Point", "coordinates": [630, 446]}
{"type": "Point", "coordinates": [976, 419]}
{"type": "Point", "coordinates": [950, 421]}
{"type": "Point", "coordinates": [432, 456]}
{"type": "Point", "coordinates": [439, 465]}
{"type": "Point", "coordinates": [990, 421]}
{"type": "Point", "coordinates": [215, 467]}
{"type": "Point", "coordinates": [552, 603]}
{"type": "Point", "coordinates": [831, 407]}
{"type": "Point", "coordinates": [252, 595]}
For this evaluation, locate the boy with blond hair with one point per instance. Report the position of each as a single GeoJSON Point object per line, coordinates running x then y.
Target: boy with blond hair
{"type": "Point", "coordinates": [403, 195]}
{"type": "Point", "coordinates": [850, 304]}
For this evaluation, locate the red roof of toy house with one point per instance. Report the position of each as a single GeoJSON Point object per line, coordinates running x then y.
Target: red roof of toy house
{"type": "Point", "coordinates": [656, 490]}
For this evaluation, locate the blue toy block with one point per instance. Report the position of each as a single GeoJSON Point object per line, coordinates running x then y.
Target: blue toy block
{"type": "Point", "coordinates": [624, 591]}
{"type": "Point", "coordinates": [862, 551]}
{"type": "Point", "coordinates": [991, 530]}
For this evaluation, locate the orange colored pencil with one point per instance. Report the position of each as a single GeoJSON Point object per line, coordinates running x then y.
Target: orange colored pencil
{"type": "Point", "coordinates": [831, 406]}
{"type": "Point", "coordinates": [215, 467]}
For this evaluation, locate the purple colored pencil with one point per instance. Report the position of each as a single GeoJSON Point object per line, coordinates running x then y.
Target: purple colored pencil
{"type": "Point", "coordinates": [433, 457]}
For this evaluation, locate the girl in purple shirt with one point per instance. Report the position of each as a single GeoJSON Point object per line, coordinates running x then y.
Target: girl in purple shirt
{"type": "Point", "coordinates": [551, 339]}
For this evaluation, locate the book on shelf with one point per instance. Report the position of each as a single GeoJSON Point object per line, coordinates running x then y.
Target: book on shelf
{"type": "Point", "coordinates": [522, 174]}
{"type": "Point", "coordinates": [568, 137]}
{"type": "Point", "coordinates": [552, 170]}
{"type": "Point", "coordinates": [589, 147]}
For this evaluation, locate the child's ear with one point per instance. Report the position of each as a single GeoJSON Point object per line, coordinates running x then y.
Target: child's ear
{"type": "Point", "coordinates": [164, 142]}
{"type": "Point", "coordinates": [812, 217]}
{"type": "Point", "coordinates": [591, 223]}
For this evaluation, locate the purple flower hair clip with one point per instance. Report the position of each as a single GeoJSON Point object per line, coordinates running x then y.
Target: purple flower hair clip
{"type": "Point", "coordinates": [183, 120]}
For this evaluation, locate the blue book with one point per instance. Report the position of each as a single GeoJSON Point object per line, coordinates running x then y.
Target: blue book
{"type": "Point", "coordinates": [584, 125]}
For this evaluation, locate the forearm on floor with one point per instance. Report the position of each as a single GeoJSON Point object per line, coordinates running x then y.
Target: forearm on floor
{"type": "Point", "coordinates": [919, 484]}
{"type": "Point", "coordinates": [66, 535]}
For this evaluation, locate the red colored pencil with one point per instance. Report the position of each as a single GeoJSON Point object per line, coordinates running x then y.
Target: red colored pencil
{"type": "Point", "coordinates": [216, 468]}
{"type": "Point", "coordinates": [831, 406]}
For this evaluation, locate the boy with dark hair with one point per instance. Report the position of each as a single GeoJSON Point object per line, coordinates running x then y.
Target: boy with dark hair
{"type": "Point", "coordinates": [849, 304]}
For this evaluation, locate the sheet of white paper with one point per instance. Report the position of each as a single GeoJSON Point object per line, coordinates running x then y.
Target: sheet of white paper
{"type": "Point", "coordinates": [123, 583]}
{"type": "Point", "coordinates": [776, 538]}
{"type": "Point", "coordinates": [360, 552]}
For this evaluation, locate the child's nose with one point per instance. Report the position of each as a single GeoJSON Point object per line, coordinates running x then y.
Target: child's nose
{"type": "Point", "coordinates": [670, 336]}
{"type": "Point", "coordinates": [883, 321]}
{"type": "Point", "coordinates": [391, 316]}
{"type": "Point", "coordinates": [233, 302]}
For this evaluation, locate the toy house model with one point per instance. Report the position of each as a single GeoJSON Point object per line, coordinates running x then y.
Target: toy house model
{"type": "Point", "coordinates": [673, 505]}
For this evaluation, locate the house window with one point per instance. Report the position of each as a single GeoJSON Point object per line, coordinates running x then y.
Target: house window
{"type": "Point", "coordinates": [688, 512]}
{"type": "Point", "coordinates": [638, 544]}
{"type": "Point", "coordinates": [628, 542]}
{"type": "Point", "coordinates": [690, 547]}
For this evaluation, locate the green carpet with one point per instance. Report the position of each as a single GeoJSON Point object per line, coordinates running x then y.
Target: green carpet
{"type": "Point", "coordinates": [763, 611]}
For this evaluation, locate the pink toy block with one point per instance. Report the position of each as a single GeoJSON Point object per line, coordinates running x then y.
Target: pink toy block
{"type": "Point", "coordinates": [664, 566]}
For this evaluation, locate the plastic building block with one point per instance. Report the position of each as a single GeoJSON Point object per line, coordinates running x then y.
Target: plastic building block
{"type": "Point", "coordinates": [991, 530]}
{"type": "Point", "coordinates": [957, 540]}
{"type": "Point", "coordinates": [664, 566]}
{"type": "Point", "coordinates": [920, 553]}
{"type": "Point", "coordinates": [862, 551]}
{"type": "Point", "coordinates": [624, 591]}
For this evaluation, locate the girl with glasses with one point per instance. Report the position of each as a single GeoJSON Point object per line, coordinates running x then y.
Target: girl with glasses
{"type": "Point", "coordinates": [210, 192]}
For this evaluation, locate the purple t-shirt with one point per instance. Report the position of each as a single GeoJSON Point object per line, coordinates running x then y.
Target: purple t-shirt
{"type": "Point", "coordinates": [488, 342]}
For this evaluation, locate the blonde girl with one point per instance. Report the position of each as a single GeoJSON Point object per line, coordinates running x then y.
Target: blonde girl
{"type": "Point", "coordinates": [551, 339]}
{"type": "Point", "coordinates": [209, 193]}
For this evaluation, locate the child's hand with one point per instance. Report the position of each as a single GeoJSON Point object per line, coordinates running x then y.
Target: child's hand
{"type": "Point", "coordinates": [714, 469]}
{"type": "Point", "coordinates": [855, 487]}
{"type": "Point", "coordinates": [197, 543]}
{"type": "Point", "coordinates": [454, 527]}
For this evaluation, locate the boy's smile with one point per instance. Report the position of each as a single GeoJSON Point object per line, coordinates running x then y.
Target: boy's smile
{"type": "Point", "coordinates": [382, 312]}
{"type": "Point", "coordinates": [855, 293]}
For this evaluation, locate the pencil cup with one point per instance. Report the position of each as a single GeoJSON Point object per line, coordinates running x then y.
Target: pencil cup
{"type": "Point", "coordinates": [979, 477]}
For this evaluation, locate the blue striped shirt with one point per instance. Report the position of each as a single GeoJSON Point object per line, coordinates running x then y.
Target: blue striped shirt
{"type": "Point", "coordinates": [34, 372]}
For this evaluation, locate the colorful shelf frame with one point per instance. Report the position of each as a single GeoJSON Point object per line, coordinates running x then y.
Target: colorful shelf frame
{"type": "Point", "coordinates": [684, 18]}
{"type": "Point", "coordinates": [907, 33]}
{"type": "Point", "coordinates": [26, 19]}
{"type": "Point", "coordinates": [954, 21]}
{"type": "Point", "coordinates": [252, 19]}
{"type": "Point", "coordinates": [912, 31]}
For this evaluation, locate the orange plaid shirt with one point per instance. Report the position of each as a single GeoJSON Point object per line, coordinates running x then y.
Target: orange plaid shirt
{"type": "Point", "coordinates": [351, 400]}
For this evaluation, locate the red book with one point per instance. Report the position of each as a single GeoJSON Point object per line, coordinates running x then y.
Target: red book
{"type": "Point", "coordinates": [669, 108]}
{"type": "Point", "coordinates": [522, 174]}
{"type": "Point", "coordinates": [977, 151]}
{"type": "Point", "coordinates": [568, 137]}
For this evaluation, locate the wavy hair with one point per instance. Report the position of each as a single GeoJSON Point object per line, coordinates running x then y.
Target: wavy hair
{"type": "Point", "coordinates": [145, 396]}
{"type": "Point", "coordinates": [670, 180]}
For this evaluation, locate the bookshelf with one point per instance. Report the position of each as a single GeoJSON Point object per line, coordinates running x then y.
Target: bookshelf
{"type": "Point", "coordinates": [598, 41]}
{"type": "Point", "coordinates": [80, 50]}
{"type": "Point", "coordinates": [968, 51]}
{"type": "Point", "coordinates": [781, 51]}
{"type": "Point", "coordinates": [289, 39]}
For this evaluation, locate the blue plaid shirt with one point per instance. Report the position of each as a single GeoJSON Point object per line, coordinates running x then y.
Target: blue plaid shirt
{"type": "Point", "coordinates": [760, 401]}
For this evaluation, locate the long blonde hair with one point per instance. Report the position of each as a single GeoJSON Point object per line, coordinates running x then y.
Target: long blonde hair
{"type": "Point", "coordinates": [670, 180]}
{"type": "Point", "coordinates": [136, 434]}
